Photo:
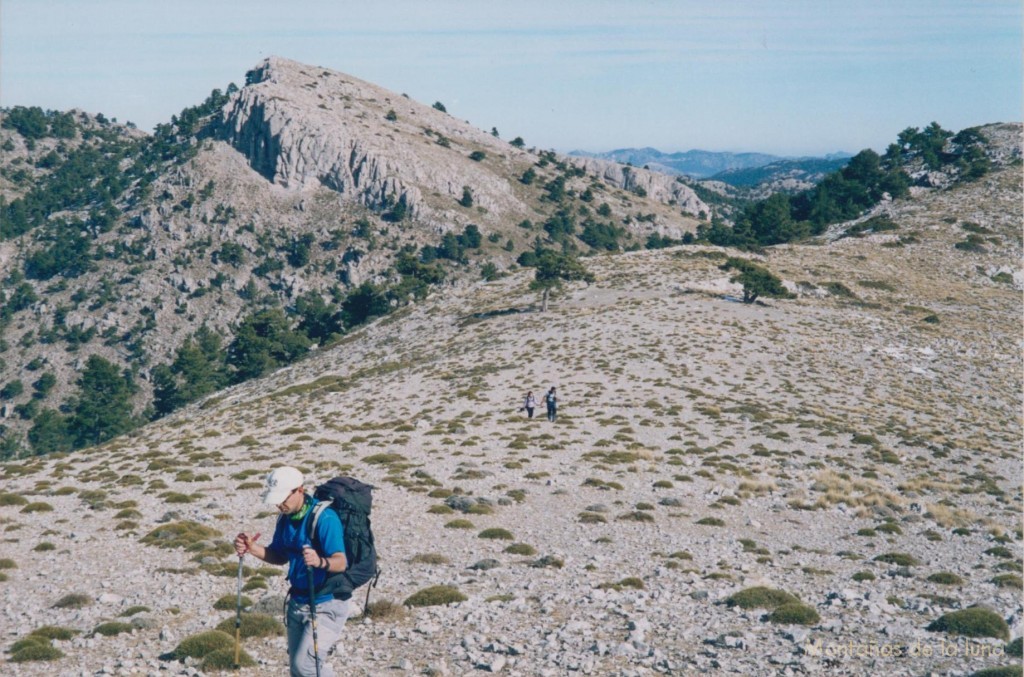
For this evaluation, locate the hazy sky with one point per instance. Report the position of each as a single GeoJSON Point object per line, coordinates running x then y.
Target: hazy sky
{"type": "Point", "coordinates": [789, 77]}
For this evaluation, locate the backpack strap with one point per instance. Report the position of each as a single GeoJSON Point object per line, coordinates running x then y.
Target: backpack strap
{"type": "Point", "coordinates": [314, 519]}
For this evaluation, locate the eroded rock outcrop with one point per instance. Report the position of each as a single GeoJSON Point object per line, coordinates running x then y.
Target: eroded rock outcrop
{"type": "Point", "coordinates": [656, 186]}
{"type": "Point", "coordinates": [303, 127]}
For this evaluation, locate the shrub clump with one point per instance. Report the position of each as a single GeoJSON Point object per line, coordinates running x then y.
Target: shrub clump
{"type": "Point", "coordinates": [794, 613]}
{"type": "Point", "coordinates": [11, 499]}
{"type": "Point", "coordinates": [636, 516]}
{"type": "Point", "coordinates": [75, 600]}
{"type": "Point", "coordinates": [112, 628]}
{"type": "Point", "coordinates": [496, 534]}
{"type": "Point", "coordinates": [711, 522]}
{"type": "Point", "coordinates": [1008, 581]}
{"type": "Point", "coordinates": [521, 549]}
{"type": "Point", "coordinates": [459, 524]}
{"type": "Point", "coordinates": [1002, 671]}
{"type": "Point", "coordinates": [229, 602]}
{"type": "Point", "coordinates": [253, 625]}
{"type": "Point", "coordinates": [54, 632]}
{"type": "Point", "coordinates": [945, 578]}
{"type": "Point", "coordinates": [761, 597]}
{"type": "Point", "coordinates": [385, 609]}
{"type": "Point", "coordinates": [429, 558]}
{"type": "Point", "coordinates": [628, 582]}
{"type": "Point", "coordinates": [973, 622]}
{"type": "Point", "coordinates": [435, 595]}
{"type": "Point", "coordinates": [180, 535]}
{"type": "Point", "coordinates": [548, 561]}
{"type": "Point", "coordinates": [898, 558]}
{"type": "Point", "coordinates": [36, 652]}
{"type": "Point", "coordinates": [224, 659]}
{"type": "Point", "coordinates": [198, 646]}
{"type": "Point", "coordinates": [37, 506]}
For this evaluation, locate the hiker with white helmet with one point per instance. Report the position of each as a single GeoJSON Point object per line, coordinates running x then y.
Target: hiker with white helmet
{"type": "Point", "coordinates": [309, 612]}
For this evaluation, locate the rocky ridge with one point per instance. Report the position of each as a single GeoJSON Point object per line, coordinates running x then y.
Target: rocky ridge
{"type": "Point", "coordinates": [300, 154]}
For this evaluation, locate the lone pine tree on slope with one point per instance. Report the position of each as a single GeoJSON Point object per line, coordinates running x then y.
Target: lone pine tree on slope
{"type": "Point", "coordinates": [554, 268]}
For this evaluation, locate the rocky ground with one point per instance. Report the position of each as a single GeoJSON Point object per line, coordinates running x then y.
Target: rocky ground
{"type": "Point", "coordinates": [849, 444]}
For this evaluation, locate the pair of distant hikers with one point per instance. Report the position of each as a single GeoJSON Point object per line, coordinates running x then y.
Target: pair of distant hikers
{"type": "Point", "coordinates": [550, 400]}
{"type": "Point", "coordinates": [291, 545]}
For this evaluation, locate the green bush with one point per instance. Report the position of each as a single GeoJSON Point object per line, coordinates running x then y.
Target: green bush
{"type": "Point", "coordinates": [180, 535]}
{"type": "Point", "coordinates": [521, 549]}
{"type": "Point", "coordinates": [198, 646]}
{"type": "Point", "coordinates": [973, 622]}
{"type": "Point", "coordinates": [112, 628]}
{"type": "Point", "coordinates": [586, 517]}
{"type": "Point", "coordinates": [31, 640]}
{"type": "Point", "coordinates": [75, 600]}
{"type": "Point", "coordinates": [1002, 671]}
{"type": "Point", "coordinates": [54, 632]}
{"type": "Point", "coordinates": [385, 609]}
{"type": "Point", "coordinates": [253, 625]}
{"type": "Point", "coordinates": [945, 578]}
{"type": "Point", "coordinates": [1015, 648]}
{"type": "Point", "coordinates": [897, 558]}
{"type": "Point", "coordinates": [11, 499]}
{"type": "Point", "coordinates": [37, 652]}
{"type": "Point", "coordinates": [628, 582]}
{"type": "Point", "coordinates": [636, 516]}
{"type": "Point", "coordinates": [1008, 581]}
{"type": "Point", "coordinates": [224, 659]}
{"type": "Point", "coordinates": [999, 551]}
{"type": "Point", "coordinates": [711, 522]}
{"type": "Point", "coordinates": [863, 576]}
{"type": "Point", "coordinates": [794, 613]}
{"type": "Point", "coordinates": [230, 602]}
{"type": "Point", "coordinates": [7, 563]}
{"type": "Point", "coordinates": [497, 534]}
{"type": "Point", "coordinates": [435, 596]}
{"type": "Point", "coordinates": [459, 524]}
{"type": "Point", "coordinates": [547, 561]}
{"type": "Point", "coordinates": [761, 597]}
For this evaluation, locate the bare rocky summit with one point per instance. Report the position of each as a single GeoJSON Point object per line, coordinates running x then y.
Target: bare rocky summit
{"type": "Point", "coordinates": [857, 446]}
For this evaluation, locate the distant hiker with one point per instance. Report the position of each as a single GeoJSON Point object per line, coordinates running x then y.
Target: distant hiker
{"type": "Point", "coordinates": [551, 399]}
{"type": "Point", "coordinates": [291, 545]}
{"type": "Point", "coordinates": [529, 404]}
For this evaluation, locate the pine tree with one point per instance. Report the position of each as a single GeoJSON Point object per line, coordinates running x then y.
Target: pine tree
{"type": "Point", "coordinates": [103, 407]}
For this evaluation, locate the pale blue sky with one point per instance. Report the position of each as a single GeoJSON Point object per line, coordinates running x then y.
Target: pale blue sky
{"type": "Point", "coordinates": [790, 77]}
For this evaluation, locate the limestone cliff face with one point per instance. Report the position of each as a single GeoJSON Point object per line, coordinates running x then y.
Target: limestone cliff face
{"type": "Point", "coordinates": [302, 127]}
{"type": "Point", "coordinates": [657, 186]}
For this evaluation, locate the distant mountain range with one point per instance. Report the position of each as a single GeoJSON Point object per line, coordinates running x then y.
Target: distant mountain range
{"type": "Point", "coordinates": [732, 168]}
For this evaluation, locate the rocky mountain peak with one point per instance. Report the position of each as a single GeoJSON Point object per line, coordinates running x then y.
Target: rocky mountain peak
{"type": "Point", "coordinates": [304, 127]}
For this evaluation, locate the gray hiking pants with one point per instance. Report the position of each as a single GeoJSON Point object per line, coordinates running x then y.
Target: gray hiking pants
{"type": "Point", "coordinates": [330, 621]}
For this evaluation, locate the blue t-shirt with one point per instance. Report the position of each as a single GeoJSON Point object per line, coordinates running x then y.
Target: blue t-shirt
{"type": "Point", "coordinates": [289, 537]}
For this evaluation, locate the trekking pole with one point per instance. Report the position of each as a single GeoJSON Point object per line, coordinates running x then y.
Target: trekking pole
{"type": "Point", "coordinates": [238, 609]}
{"type": "Point", "coordinates": [312, 618]}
